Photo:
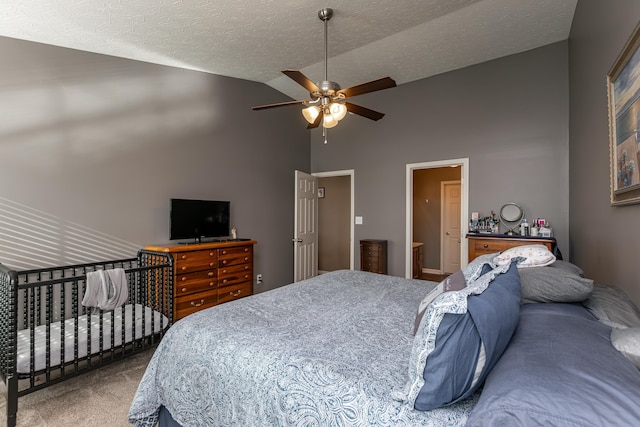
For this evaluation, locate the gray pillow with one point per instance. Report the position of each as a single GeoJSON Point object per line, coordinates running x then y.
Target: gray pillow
{"type": "Point", "coordinates": [627, 342]}
{"type": "Point", "coordinates": [613, 307]}
{"type": "Point", "coordinates": [558, 282]}
{"type": "Point", "coordinates": [568, 267]}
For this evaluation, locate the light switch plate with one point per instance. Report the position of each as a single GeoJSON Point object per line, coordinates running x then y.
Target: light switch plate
{"type": "Point", "coordinates": [359, 220]}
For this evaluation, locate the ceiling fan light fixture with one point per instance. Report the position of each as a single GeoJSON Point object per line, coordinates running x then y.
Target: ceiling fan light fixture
{"type": "Point", "coordinates": [328, 121]}
{"type": "Point", "coordinates": [311, 113]}
{"type": "Point", "coordinates": [338, 110]}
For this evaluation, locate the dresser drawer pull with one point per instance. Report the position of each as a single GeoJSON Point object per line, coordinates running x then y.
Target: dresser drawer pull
{"type": "Point", "coordinates": [224, 262]}
{"type": "Point", "coordinates": [211, 274]}
{"type": "Point", "coordinates": [211, 264]}
{"type": "Point", "coordinates": [485, 246]}
{"type": "Point", "coordinates": [183, 278]}
{"type": "Point", "coordinates": [195, 304]}
{"type": "Point", "coordinates": [246, 258]}
{"type": "Point", "coordinates": [212, 283]}
{"type": "Point", "coordinates": [184, 268]}
{"type": "Point", "coordinates": [184, 289]}
{"type": "Point", "coordinates": [212, 253]}
{"type": "Point", "coordinates": [224, 252]}
{"type": "Point", "coordinates": [225, 281]}
{"type": "Point", "coordinates": [235, 294]}
{"type": "Point", "coordinates": [183, 257]}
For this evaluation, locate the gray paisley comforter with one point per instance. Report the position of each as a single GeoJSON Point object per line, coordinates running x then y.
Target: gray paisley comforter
{"type": "Point", "coordinates": [329, 351]}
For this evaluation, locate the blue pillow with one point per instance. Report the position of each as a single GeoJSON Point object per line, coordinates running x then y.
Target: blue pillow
{"type": "Point", "coordinates": [559, 369]}
{"type": "Point", "coordinates": [461, 337]}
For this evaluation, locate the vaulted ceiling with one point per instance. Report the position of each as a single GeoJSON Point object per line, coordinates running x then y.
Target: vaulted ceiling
{"type": "Point", "coordinates": [256, 39]}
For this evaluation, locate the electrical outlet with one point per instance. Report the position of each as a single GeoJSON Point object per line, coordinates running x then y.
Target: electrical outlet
{"type": "Point", "coordinates": [258, 279]}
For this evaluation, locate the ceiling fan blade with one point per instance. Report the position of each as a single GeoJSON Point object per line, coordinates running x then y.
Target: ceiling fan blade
{"type": "Point", "coordinates": [316, 123]}
{"type": "Point", "coordinates": [302, 80]}
{"type": "Point", "coordinates": [279, 104]}
{"type": "Point", "coordinates": [372, 86]}
{"type": "Point", "coordinates": [364, 112]}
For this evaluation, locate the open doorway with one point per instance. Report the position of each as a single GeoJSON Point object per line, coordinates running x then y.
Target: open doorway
{"type": "Point", "coordinates": [335, 220]}
{"type": "Point", "coordinates": [436, 211]}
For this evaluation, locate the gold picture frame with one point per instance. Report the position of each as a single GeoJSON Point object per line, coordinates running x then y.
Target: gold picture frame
{"type": "Point", "coordinates": [623, 89]}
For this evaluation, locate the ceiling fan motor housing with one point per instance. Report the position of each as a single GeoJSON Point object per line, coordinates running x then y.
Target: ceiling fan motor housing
{"type": "Point", "coordinates": [328, 88]}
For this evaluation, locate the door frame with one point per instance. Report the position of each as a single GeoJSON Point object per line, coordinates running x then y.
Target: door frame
{"type": "Point", "coordinates": [351, 174]}
{"type": "Point", "coordinates": [464, 207]}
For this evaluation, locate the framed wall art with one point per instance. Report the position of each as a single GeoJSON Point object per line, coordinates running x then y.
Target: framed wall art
{"type": "Point", "coordinates": [623, 85]}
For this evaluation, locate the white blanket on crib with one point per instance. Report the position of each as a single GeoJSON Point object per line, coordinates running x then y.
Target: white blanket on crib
{"type": "Point", "coordinates": [40, 335]}
{"type": "Point", "coordinates": [106, 289]}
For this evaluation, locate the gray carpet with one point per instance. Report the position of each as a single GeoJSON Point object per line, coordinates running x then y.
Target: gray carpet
{"type": "Point", "coordinates": [98, 398]}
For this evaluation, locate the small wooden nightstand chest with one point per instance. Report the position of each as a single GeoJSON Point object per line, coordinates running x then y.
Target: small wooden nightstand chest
{"type": "Point", "coordinates": [373, 256]}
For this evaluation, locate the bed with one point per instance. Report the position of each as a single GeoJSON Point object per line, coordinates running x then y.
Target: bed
{"type": "Point", "coordinates": [352, 348]}
{"type": "Point", "coordinates": [47, 335]}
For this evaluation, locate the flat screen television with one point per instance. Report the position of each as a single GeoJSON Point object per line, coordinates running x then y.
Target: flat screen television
{"type": "Point", "coordinates": [197, 219]}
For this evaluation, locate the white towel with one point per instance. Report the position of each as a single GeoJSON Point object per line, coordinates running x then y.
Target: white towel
{"type": "Point", "coordinates": [115, 287]}
{"type": "Point", "coordinates": [106, 289]}
{"type": "Point", "coordinates": [94, 289]}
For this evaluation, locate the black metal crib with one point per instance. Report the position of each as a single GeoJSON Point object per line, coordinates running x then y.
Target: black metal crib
{"type": "Point", "coordinates": [47, 336]}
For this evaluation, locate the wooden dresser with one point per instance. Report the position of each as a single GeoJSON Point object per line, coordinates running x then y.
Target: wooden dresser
{"type": "Point", "coordinates": [481, 244]}
{"type": "Point", "coordinates": [207, 274]}
{"type": "Point", "coordinates": [373, 256]}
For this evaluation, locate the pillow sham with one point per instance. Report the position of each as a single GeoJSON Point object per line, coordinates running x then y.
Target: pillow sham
{"type": "Point", "coordinates": [462, 335]}
{"type": "Point", "coordinates": [554, 284]}
{"type": "Point", "coordinates": [454, 282]}
{"type": "Point", "coordinates": [559, 369]}
{"type": "Point", "coordinates": [534, 256]}
{"type": "Point", "coordinates": [627, 342]}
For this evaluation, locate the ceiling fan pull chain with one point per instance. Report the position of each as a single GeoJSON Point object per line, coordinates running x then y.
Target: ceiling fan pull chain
{"type": "Point", "coordinates": [324, 133]}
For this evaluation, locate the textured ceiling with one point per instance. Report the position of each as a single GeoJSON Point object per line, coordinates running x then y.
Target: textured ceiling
{"type": "Point", "coordinates": [256, 39]}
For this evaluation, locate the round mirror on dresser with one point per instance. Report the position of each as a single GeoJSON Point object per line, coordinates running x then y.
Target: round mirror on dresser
{"type": "Point", "coordinates": [511, 215]}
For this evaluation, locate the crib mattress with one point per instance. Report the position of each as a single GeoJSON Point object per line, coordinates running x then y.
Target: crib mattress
{"type": "Point", "coordinates": [40, 336]}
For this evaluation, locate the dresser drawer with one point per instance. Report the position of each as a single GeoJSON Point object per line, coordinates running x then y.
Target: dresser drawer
{"type": "Point", "coordinates": [195, 282]}
{"type": "Point", "coordinates": [188, 304]}
{"type": "Point", "coordinates": [195, 260]}
{"type": "Point", "coordinates": [489, 246]}
{"type": "Point", "coordinates": [229, 293]}
{"type": "Point", "coordinates": [372, 250]}
{"type": "Point", "coordinates": [233, 256]}
{"type": "Point", "coordinates": [234, 274]}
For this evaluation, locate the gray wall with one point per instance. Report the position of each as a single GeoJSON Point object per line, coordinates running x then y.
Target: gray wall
{"type": "Point", "coordinates": [92, 147]}
{"type": "Point", "coordinates": [508, 116]}
{"type": "Point", "coordinates": [605, 240]}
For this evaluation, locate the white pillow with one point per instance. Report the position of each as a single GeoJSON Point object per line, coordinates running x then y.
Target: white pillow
{"type": "Point", "coordinates": [627, 342]}
{"type": "Point", "coordinates": [534, 256]}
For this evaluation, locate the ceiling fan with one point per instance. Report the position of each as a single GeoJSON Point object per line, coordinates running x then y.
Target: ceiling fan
{"type": "Point", "coordinates": [328, 104]}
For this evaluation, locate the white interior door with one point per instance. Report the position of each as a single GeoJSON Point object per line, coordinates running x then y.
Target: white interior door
{"type": "Point", "coordinates": [305, 236]}
{"type": "Point", "coordinates": [451, 199]}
